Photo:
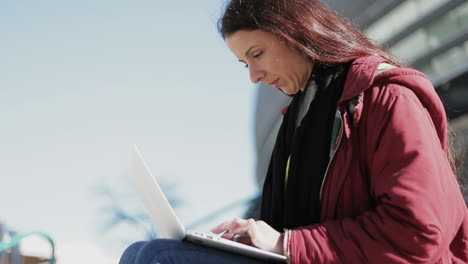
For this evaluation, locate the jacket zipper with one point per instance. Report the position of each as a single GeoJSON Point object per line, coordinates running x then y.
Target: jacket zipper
{"type": "Point", "coordinates": [340, 135]}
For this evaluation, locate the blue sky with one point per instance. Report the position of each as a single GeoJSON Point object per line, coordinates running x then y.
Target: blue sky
{"type": "Point", "coordinates": [81, 81]}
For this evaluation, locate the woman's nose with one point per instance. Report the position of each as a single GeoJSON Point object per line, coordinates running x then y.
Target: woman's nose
{"type": "Point", "coordinates": [256, 74]}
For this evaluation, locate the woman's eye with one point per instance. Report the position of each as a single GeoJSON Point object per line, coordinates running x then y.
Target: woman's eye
{"type": "Point", "coordinates": [256, 55]}
{"type": "Point", "coordinates": [246, 65]}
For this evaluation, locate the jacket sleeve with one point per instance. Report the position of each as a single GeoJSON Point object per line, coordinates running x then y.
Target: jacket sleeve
{"type": "Point", "coordinates": [418, 205]}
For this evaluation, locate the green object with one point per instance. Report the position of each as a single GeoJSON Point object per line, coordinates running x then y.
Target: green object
{"type": "Point", "coordinates": [15, 240]}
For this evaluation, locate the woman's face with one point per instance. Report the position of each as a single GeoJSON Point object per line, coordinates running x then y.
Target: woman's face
{"type": "Point", "coordinates": [270, 60]}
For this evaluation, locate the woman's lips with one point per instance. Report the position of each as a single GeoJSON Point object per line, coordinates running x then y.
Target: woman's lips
{"type": "Point", "coordinates": [275, 83]}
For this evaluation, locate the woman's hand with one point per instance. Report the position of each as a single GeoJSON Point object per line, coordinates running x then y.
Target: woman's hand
{"type": "Point", "coordinates": [255, 233]}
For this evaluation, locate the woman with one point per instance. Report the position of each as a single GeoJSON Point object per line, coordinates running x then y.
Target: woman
{"type": "Point", "coordinates": [361, 171]}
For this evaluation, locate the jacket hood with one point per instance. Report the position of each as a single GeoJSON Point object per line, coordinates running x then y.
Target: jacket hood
{"type": "Point", "coordinates": [362, 76]}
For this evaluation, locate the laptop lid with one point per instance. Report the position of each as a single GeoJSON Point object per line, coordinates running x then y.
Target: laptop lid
{"type": "Point", "coordinates": [155, 201]}
{"type": "Point", "coordinates": [166, 220]}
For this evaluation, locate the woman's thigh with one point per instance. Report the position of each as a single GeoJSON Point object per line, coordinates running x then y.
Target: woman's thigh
{"type": "Point", "coordinates": [165, 251]}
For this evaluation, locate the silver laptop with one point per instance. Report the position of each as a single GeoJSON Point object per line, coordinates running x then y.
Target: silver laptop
{"type": "Point", "coordinates": [168, 223]}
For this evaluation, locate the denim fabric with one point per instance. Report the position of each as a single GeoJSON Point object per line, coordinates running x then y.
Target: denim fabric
{"type": "Point", "coordinates": [165, 251]}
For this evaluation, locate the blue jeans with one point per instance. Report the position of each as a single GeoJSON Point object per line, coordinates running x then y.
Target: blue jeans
{"type": "Point", "coordinates": [165, 251]}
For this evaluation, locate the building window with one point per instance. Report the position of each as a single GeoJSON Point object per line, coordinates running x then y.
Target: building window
{"type": "Point", "coordinates": [446, 62]}
{"type": "Point", "coordinates": [401, 17]}
{"type": "Point", "coordinates": [451, 23]}
{"type": "Point", "coordinates": [412, 47]}
{"type": "Point", "coordinates": [432, 35]}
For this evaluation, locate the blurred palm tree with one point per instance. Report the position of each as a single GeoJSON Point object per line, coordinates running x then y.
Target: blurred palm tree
{"type": "Point", "coordinates": [120, 209]}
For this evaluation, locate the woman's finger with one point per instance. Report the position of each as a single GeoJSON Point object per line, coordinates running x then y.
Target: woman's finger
{"type": "Point", "coordinates": [231, 228]}
{"type": "Point", "coordinates": [241, 227]}
{"type": "Point", "coordinates": [223, 227]}
{"type": "Point", "coordinates": [237, 226]}
{"type": "Point", "coordinates": [219, 229]}
{"type": "Point", "coordinates": [243, 239]}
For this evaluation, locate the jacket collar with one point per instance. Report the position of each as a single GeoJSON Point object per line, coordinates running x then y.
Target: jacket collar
{"type": "Point", "coordinates": [360, 76]}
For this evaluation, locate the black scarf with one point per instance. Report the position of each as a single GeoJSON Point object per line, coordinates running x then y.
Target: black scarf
{"type": "Point", "coordinates": [298, 204]}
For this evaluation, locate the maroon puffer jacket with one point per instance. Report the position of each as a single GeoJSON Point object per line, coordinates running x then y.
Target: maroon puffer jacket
{"type": "Point", "coordinates": [389, 195]}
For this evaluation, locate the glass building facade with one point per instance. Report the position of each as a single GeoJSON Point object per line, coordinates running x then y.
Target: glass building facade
{"type": "Point", "coordinates": [431, 36]}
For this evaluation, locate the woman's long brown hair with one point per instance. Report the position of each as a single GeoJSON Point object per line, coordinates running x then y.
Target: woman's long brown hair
{"type": "Point", "coordinates": [306, 25]}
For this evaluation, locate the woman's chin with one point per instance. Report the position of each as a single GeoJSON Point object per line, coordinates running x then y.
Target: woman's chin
{"type": "Point", "coordinates": [288, 91]}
